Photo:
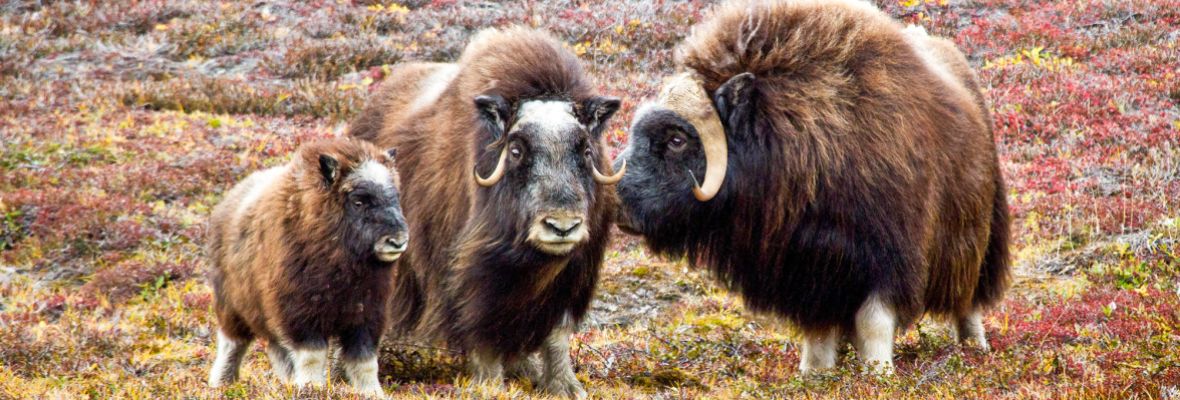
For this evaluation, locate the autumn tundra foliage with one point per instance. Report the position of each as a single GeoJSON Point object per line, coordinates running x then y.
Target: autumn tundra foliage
{"type": "Point", "coordinates": [850, 181]}
{"type": "Point", "coordinates": [501, 159]}
{"type": "Point", "coordinates": [302, 255]}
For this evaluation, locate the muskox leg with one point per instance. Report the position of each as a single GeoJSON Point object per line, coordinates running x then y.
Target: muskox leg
{"type": "Point", "coordinates": [525, 368]}
{"type": "Point", "coordinates": [875, 327]}
{"type": "Point", "coordinates": [362, 374]}
{"type": "Point", "coordinates": [311, 364]}
{"type": "Point", "coordinates": [557, 376]}
{"type": "Point", "coordinates": [230, 353]}
{"type": "Point", "coordinates": [280, 361]}
{"type": "Point", "coordinates": [969, 329]}
{"type": "Point", "coordinates": [818, 350]}
{"type": "Point", "coordinates": [487, 367]}
{"type": "Point", "coordinates": [358, 356]}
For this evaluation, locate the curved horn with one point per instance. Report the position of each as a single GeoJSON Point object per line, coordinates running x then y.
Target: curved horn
{"type": "Point", "coordinates": [685, 95]}
{"type": "Point", "coordinates": [716, 162]}
{"type": "Point", "coordinates": [496, 174]}
{"type": "Point", "coordinates": [609, 180]}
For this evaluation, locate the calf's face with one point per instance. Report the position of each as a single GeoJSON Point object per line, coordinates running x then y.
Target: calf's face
{"type": "Point", "coordinates": [372, 220]}
{"type": "Point", "coordinates": [543, 182]}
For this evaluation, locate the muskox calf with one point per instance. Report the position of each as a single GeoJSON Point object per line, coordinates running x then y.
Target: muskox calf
{"type": "Point", "coordinates": [302, 254]}
{"type": "Point", "coordinates": [829, 166]}
{"type": "Point", "coordinates": [502, 158]}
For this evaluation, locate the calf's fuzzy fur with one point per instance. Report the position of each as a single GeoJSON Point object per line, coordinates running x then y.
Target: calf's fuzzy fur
{"type": "Point", "coordinates": [293, 263]}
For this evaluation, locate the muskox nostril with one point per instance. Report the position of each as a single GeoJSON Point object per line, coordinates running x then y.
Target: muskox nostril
{"type": "Point", "coordinates": [398, 242]}
{"type": "Point", "coordinates": [563, 227]}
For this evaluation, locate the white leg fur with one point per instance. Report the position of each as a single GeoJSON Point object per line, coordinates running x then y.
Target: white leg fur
{"type": "Point", "coordinates": [362, 374]}
{"type": "Point", "coordinates": [818, 351]}
{"type": "Point", "coordinates": [487, 368]}
{"type": "Point", "coordinates": [310, 366]}
{"type": "Point", "coordinates": [280, 361]}
{"type": "Point", "coordinates": [526, 368]}
{"type": "Point", "coordinates": [875, 327]}
{"type": "Point", "coordinates": [230, 353]}
{"type": "Point", "coordinates": [969, 329]}
{"type": "Point", "coordinates": [557, 375]}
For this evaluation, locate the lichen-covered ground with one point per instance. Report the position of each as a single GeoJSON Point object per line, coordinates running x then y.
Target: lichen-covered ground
{"type": "Point", "coordinates": [121, 123]}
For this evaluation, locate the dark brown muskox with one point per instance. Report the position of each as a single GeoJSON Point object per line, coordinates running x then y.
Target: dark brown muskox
{"type": "Point", "coordinates": [302, 254]}
{"type": "Point", "coordinates": [506, 257]}
{"type": "Point", "coordinates": [849, 178]}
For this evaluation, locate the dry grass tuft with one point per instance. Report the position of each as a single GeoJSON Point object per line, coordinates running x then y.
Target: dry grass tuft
{"type": "Point", "coordinates": [233, 96]}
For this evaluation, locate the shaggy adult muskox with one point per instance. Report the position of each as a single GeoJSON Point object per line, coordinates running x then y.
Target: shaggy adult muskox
{"type": "Point", "coordinates": [501, 154]}
{"type": "Point", "coordinates": [848, 175]}
{"type": "Point", "coordinates": [301, 254]}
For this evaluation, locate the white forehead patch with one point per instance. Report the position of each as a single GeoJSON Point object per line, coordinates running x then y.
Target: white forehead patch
{"type": "Point", "coordinates": [647, 107]}
{"type": "Point", "coordinates": [642, 111]}
{"type": "Point", "coordinates": [550, 116]}
{"type": "Point", "coordinates": [372, 171]}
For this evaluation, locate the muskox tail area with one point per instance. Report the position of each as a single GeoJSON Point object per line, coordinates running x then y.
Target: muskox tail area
{"type": "Point", "coordinates": [995, 274]}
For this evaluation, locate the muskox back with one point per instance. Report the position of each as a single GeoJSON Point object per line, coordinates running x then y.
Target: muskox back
{"type": "Point", "coordinates": [412, 88]}
{"type": "Point", "coordinates": [850, 177]}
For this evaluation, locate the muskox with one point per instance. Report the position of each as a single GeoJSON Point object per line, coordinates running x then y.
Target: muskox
{"type": "Point", "coordinates": [501, 163]}
{"type": "Point", "coordinates": [302, 255]}
{"type": "Point", "coordinates": [830, 167]}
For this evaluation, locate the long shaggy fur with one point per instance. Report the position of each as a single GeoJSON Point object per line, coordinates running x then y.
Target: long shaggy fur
{"type": "Point", "coordinates": [869, 167]}
{"type": "Point", "coordinates": [285, 266]}
{"type": "Point", "coordinates": [471, 278]}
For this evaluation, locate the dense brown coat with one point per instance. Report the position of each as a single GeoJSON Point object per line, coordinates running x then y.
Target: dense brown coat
{"type": "Point", "coordinates": [866, 166]}
{"type": "Point", "coordinates": [286, 265]}
{"type": "Point", "coordinates": [473, 280]}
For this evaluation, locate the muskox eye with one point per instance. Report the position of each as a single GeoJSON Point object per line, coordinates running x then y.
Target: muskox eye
{"type": "Point", "coordinates": [677, 142]}
{"type": "Point", "coordinates": [360, 200]}
{"type": "Point", "coordinates": [515, 151]}
{"type": "Point", "coordinates": [588, 153]}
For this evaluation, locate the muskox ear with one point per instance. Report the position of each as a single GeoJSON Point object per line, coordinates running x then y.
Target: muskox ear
{"type": "Point", "coordinates": [493, 110]}
{"type": "Point", "coordinates": [596, 111]}
{"type": "Point", "coordinates": [328, 167]}
{"type": "Point", "coordinates": [735, 101]}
